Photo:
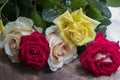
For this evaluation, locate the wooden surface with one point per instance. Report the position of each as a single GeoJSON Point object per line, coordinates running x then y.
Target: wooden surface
{"type": "Point", "coordinates": [72, 71]}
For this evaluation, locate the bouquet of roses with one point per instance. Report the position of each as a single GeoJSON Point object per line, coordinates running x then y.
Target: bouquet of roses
{"type": "Point", "coordinates": [51, 31]}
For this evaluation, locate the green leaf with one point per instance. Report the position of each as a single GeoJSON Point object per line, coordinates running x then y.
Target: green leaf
{"type": "Point", "coordinates": [102, 29]}
{"type": "Point", "coordinates": [3, 5]}
{"type": "Point", "coordinates": [105, 11]}
{"type": "Point", "coordinates": [58, 9]}
{"type": "Point", "coordinates": [26, 3]}
{"type": "Point", "coordinates": [49, 15]}
{"type": "Point", "coordinates": [23, 7]}
{"type": "Point", "coordinates": [17, 9]}
{"type": "Point", "coordinates": [113, 3]}
{"type": "Point", "coordinates": [37, 19]}
{"type": "Point", "coordinates": [106, 22]}
{"type": "Point", "coordinates": [45, 3]}
{"type": "Point", "coordinates": [94, 13]}
{"type": "Point", "coordinates": [101, 6]}
{"type": "Point", "coordinates": [55, 1]}
{"type": "Point", "coordinates": [2, 1]}
{"type": "Point", "coordinates": [78, 3]}
{"type": "Point", "coordinates": [95, 3]}
{"type": "Point", "coordinates": [9, 11]}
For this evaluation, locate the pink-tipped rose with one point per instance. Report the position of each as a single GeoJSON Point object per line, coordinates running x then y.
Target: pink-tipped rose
{"type": "Point", "coordinates": [101, 57]}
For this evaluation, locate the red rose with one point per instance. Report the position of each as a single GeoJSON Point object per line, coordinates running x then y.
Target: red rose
{"type": "Point", "coordinates": [101, 57]}
{"type": "Point", "coordinates": [34, 50]}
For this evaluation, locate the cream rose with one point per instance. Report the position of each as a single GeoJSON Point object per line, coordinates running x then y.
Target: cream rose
{"type": "Point", "coordinates": [60, 53]}
{"type": "Point", "coordinates": [13, 32]}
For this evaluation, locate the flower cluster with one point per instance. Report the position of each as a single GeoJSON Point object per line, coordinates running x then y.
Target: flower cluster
{"type": "Point", "coordinates": [24, 42]}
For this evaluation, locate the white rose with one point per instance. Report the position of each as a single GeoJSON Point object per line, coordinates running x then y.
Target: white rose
{"type": "Point", "coordinates": [113, 30]}
{"type": "Point", "coordinates": [13, 32]}
{"type": "Point", "coordinates": [60, 53]}
{"type": "Point", "coordinates": [22, 24]}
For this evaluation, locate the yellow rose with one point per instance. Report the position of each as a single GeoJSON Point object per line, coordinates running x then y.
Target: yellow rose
{"type": "Point", "coordinates": [76, 28]}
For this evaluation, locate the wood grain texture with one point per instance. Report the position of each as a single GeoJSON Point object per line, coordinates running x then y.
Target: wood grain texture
{"type": "Point", "coordinates": [72, 71]}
